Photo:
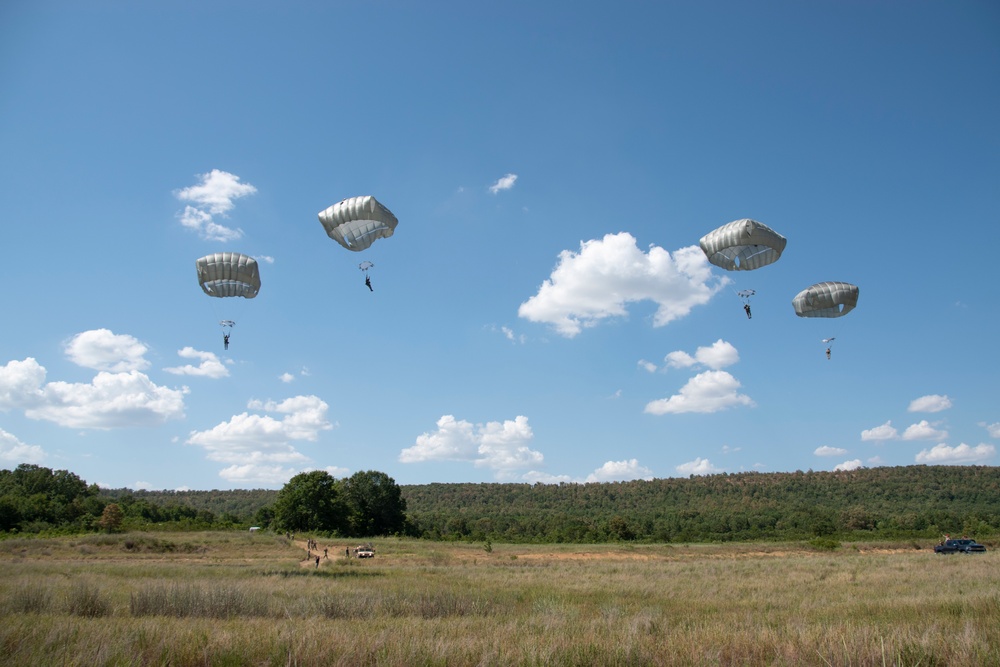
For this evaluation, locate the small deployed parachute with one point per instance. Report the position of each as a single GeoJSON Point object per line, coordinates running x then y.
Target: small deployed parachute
{"type": "Point", "coordinates": [828, 299]}
{"type": "Point", "coordinates": [357, 222]}
{"type": "Point", "coordinates": [225, 274]}
{"type": "Point", "coordinates": [745, 295]}
{"type": "Point", "coordinates": [743, 245]}
{"type": "Point", "coordinates": [364, 266]}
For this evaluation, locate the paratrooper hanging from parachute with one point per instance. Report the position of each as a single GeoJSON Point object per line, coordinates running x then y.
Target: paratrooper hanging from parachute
{"type": "Point", "coordinates": [743, 245]}
{"type": "Point", "coordinates": [356, 223]}
{"type": "Point", "coordinates": [829, 299]}
{"type": "Point", "coordinates": [228, 275]}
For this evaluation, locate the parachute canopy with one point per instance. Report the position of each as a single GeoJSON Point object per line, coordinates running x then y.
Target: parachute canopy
{"type": "Point", "coordinates": [358, 222]}
{"type": "Point", "coordinates": [829, 299]}
{"type": "Point", "coordinates": [365, 265]}
{"type": "Point", "coordinates": [225, 274]}
{"type": "Point", "coordinates": [743, 245]}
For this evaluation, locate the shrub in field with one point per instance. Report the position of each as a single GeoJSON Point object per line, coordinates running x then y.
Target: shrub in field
{"type": "Point", "coordinates": [29, 598]}
{"type": "Point", "coordinates": [192, 601]}
{"type": "Point", "coordinates": [427, 605]}
{"type": "Point", "coordinates": [824, 543]}
{"type": "Point", "coordinates": [85, 599]}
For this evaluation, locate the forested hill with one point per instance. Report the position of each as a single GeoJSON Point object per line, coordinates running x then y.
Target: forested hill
{"type": "Point", "coordinates": [880, 502]}
{"type": "Point", "coordinates": [890, 501]}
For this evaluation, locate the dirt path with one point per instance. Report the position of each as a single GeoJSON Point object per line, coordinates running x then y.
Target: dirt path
{"type": "Point", "coordinates": [309, 557]}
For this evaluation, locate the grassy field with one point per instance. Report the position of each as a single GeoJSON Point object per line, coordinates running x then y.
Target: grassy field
{"type": "Point", "coordinates": [242, 599]}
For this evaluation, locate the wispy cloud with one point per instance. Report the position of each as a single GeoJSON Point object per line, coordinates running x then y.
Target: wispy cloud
{"type": "Point", "coordinates": [647, 366]}
{"type": "Point", "coordinates": [504, 183]}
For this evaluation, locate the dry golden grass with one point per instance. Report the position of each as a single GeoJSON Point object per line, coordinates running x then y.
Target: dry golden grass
{"type": "Point", "coordinates": [238, 599]}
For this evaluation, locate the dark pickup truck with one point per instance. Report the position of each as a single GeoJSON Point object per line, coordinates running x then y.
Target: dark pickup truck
{"type": "Point", "coordinates": [963, 546]}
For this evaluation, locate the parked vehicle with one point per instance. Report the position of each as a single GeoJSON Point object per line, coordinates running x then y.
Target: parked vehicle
{"type": "Point", "coordinates": [962, 546]}
{"type": "Point", "coordinates": [365, 551]}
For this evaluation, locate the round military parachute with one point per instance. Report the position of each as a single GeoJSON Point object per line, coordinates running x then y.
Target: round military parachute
{"type": "Point", "coordinates": [364, 266]}
{"type": "Point", "coordinates": [358, 222]}
{"type": "Point", "coordinates": [743, 245]}
{"type": "Point", "coordinates": [828, 299]}
{"type": "Point", "coordinates": [226, 274]}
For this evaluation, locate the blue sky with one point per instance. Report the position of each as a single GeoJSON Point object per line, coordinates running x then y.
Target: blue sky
{"type": "Point", "coordinates": [543, 312]}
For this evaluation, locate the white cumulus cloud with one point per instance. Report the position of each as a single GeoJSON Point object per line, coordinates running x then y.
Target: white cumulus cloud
{"type": "Point", "coordinates": [14, 451]}
{"type": "Point", "coordinates": [598, 283]}
{"type": "Point", "coordinates": [21, 383]}
{"type": "Point", "coordinates": [251, 475]}
{"type": "Point", "coordinates": [537, 477]}
{"type": "Point", "coordinates": [715, 356]}
{"type": "Point", "coordinates": [884, 432]}
{"type": "Point", "coordinates": [258, 446]}
{"type": "Point", "coordinates": [103, 350]}
{"type": "Point", "coordinates": [992, 429]}
{"type": "Point", "coordinates": [208, 364]}
{"type": "Point", "coordinates": [500, 446]}
{"type": "Point", "coordinates": [620, 471]}
{"type": "Point", "coordinates": [942, 454]}
{"type": "Point", "coordinates": [699, 466]}
{"type": "Point", "coordinates": [214, 195]}
{"type": "Point", "coordinates": [710, 391]}
{"type": "Point", "coordinates": [110, 400]}
{"type": "Point", "coordinates": [930, 403]}
{"type": "Point", "coordinates": [853, 464]}
{"type": "Point", "coordinates": [924, 430]}
{"type": "Point", "coordinates": [826, 450]}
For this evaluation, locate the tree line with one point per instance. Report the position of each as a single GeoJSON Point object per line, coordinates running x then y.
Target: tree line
{"type": "Point", "coordinates": [37, 500]}
{"type": "Point", "coordinates": [869, 503]}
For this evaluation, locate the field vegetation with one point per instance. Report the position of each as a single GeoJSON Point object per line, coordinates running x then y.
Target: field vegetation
{"type": "Point", "coordinates": [240, 598]}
